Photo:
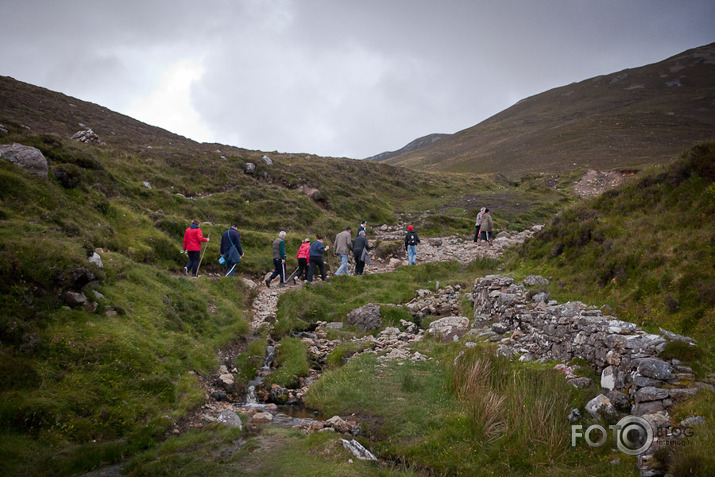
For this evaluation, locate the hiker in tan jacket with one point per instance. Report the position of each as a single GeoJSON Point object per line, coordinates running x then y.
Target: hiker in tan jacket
{"type": "Point", "coordinates": [343, 245]}
{"type": "Point", "coordinates": [486, 227]}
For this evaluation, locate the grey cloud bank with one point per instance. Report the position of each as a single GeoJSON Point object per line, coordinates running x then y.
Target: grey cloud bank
{"type": "Point", "coordinates": [336, 78]}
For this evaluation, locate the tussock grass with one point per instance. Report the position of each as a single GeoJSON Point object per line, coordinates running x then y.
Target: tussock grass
{"type": "Point", "coordinates": [482, 416]}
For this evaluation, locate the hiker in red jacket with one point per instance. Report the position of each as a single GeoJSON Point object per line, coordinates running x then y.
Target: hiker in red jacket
{"type": "Point", "coordinates": [192, 245]}
{"type": "Point", "coordinates": [303, 254]}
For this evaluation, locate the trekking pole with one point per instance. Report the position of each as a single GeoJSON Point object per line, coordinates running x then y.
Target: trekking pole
{"type": "Point", "coordinates": [234, 266]}
{"type": "Point", "coordinates": [202, 255]}
{"type": "Point", "coordinates": [291, 275]}
{"type": "Point", "coordinates": [283, 264]}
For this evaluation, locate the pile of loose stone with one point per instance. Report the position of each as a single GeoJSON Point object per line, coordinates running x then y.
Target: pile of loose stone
{"type": "Point", "coordinates": [634, 379]}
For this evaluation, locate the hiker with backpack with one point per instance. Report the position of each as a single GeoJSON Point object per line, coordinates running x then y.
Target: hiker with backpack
{"type": "Point", "coordinates": [411, 241]}
{"type": "Point", "coordinates": [231, 249]}
{"type": "Point", "coordinates": [315, 253]}
{"type": "Point", "coordinates": [360, 252]}
{"type": "Point", "coordinates": [279, 260]}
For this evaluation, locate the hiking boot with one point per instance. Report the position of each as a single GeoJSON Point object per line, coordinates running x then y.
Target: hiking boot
{"type": "Point", "coordinates": [282, 285]}
{"type": "Point", "coordinates": [268, 283]}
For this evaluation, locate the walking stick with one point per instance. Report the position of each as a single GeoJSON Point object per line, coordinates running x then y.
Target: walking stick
{"type": "Point", "coordinates": [283, 264]}
{"type": "Point", "coordinates": [291, 275]}
{"type": "Point", "coordinates": [228, 272]}
{"type": "Point", "coordinates": [202, 255]}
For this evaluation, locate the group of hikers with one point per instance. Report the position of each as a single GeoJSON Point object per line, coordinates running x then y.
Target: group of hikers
{"type": "Point", "coordinates": [310, 255]}
{"type": "Point", "coordinates": [484, 227]}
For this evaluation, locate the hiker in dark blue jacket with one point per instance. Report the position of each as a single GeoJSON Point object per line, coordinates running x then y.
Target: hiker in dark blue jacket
{"type": "Point", "coordinates": [315, 257]}
{"type": "Point", "coordinates": [231, 248]}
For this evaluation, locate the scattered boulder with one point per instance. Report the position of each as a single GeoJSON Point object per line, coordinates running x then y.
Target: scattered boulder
{"type": "Point", "coordinates": [29, 158]}
{"type": "Point", "coordinates": [96, 260]}
{"type": "Point", "coordinates": [339, 424]}
{"type": "Point", "coordinates": [75, 298]}
{"type": "Point", "coordinates": [358, 450]}
{"type": "Point", "coordinates": [365, 318]}
{"type": "Point", "coordinates": [230, 419]}
{"type": "Point", "coordinates": [450, 328]}
{"type": "Point", "coordinates": [262, 417]}
{"type": "Point", "coordinates": [267, 160]}
{"type": "Point", "coordinates": [601, 407]}
{"type": "Point", "coordinates": [250, 168]}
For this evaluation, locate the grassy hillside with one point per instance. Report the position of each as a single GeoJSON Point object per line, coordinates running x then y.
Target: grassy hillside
{"type": "Point", "coordinates": [633, 117]}
{"type": "Point", "coordinates": [86, 384]}
{"type": "Point", "coordinates": [648, 249]}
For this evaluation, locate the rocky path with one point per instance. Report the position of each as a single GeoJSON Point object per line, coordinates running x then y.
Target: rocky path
{"type": "Point", "coordinates": [439, 249]}
{"type": "Point", "coordinates": [391, 343]}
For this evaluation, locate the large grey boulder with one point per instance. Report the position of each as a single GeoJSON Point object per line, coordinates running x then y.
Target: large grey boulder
{"type": "Point", "coordinates": [230, 419]}
{"type": "Point", "coordinates": [27, 157]}
{"type": "Point", "coordinates": [450, 328]}
{"type": "Point", "coordinates": [365, 318]}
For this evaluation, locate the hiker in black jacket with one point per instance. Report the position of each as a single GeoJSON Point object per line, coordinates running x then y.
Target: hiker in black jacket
{"type": "Point", "coordinates": [411, 241]}
{"type": "Point", "coordinates": [231, 248]}
{"type": "Point", "coordinates": [360, 248]}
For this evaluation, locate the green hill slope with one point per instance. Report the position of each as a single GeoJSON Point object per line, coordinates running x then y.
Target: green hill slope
{"type": "Point", "coordinates": [647, 248]}
{"type": "Point", "coordinates": [638, 116]}
{"type": "Point", "coordinates": [93, 382]}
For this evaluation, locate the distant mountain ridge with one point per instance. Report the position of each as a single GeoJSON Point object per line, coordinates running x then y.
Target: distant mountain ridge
{"type": "Point", "coordinates": [414, 145]}
{"type": "Point", "coordinates": [630, 118]}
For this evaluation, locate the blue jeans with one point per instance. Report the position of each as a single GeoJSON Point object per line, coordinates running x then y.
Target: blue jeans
{"type": "Point", "coordinates": [411, 254]}
{"type": "Point", "coordinates": [343, 266]}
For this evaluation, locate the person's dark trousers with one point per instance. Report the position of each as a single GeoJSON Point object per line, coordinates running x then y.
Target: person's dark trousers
{"type": "Point", "coordinates": [316, 262]}
{"type": "Point", "coordinates": [359, 266]}
{"type": "Point", "coordinates": [302, 268]}
{"type": "Point", "coordinates": [476, 235]}
{"type": "Point", "coordinates": [193, 264]}
{"type": "Point", "coordinates": [278, 263]}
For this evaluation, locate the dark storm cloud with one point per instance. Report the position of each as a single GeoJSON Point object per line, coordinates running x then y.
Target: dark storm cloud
{"type": "Point", "coordinates": [333, 77]}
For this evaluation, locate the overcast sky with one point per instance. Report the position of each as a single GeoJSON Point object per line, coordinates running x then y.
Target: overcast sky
{"type": "Point", "coordinates": [346, 78]}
